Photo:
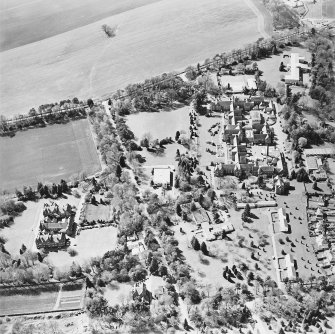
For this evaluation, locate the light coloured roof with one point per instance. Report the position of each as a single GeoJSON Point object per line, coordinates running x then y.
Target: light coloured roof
{"type": "Point", "coordinates": [320, 151]}
{"type": "Point", "coordinates": [311, 163]}
{"type": "Point", "coordinates": [282, 220]}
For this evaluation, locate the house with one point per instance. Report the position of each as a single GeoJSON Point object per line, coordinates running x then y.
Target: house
{"type": "Point", "coordinates": [141, 293]}
{"type": "Point", "coordinates": [311, 164]}
{"type": "Point", "coordinates": [200, 216]}
{"type": "Point", "coordinates": [256, 117]}
{"type": "Point", "coordinates": [52, 240]}
{"type": "Point", "coordinates": [320, 175]}
{"type": "Point", "coordinates": [56, 219]}
{"type": "Point", "coordinates": [163, 176]}
{"type": "Point", "coordinates": [281, 185]}
{"type": "Point", "coordinates": [267, 171]}
{"type": "Point", "coordinates": [321, 152]}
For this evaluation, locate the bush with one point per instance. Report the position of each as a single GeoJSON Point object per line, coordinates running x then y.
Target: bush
{"type": "Point", "coordinates": [75, 193]}
{"type": "Point", "coordinates": [72, 252]}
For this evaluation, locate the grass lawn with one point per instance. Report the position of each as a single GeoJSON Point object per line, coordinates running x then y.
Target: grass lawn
{"type": "Point", "coordinates": [160, 124]}
{"type": "Point", "coordinates": [99, 211]}
{"type": "Point", "coordinates": [301, 250]}
{"type": "Point", "coordinates": [228, 252]}
{"type": "Point", "coordinates": [117, 293]}
{"type": "Point", "coordinates": [24, 228]}
{"type": "Point", "coordinates": [88, 244]}
{"type": "Point", "coordinates": [159, 37]}
{"type": "Point", "coordinates": [47, 154]}
{"type": "Point", "coordinates": [205, 137]}
{"type": "Point", "coordinates": [15, 304]}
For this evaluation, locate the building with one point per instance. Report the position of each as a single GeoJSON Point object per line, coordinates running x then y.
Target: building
{"type": "Point", "coordinates": [163, 176]}
{"type": "Point", "coordinates": [281, 185]}
{"type": "Point", "coordinates": [52, 240]}
{"type": "Point", "coordinates": [291, 272]}
{"type": "Point", "coordinates": [311, 164]}
{"type": "Point", "coordinates": [57, 219]}
{"type": "Point", "coordinates": [320, 175]}
{"type": "Point", "coordinates": [282, 220]}
{"type": "Point", "coordinates": [296, 69]}
{"type": "Point", "coordinates": [141, 293]}
{"type": "Point", "coordinates": [321, 152]}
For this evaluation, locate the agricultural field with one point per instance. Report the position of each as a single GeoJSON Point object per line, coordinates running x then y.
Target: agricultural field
{"type": "Point", "coordinates": [15, 304]}
{"type": "Point", "coordinates": [328, 9]}
{"type": "Point", "coordinates": [53, 18]}
{"type": "Point", "coordinates": [47, 155]}
{"type": "Point", "coordinates": [151, 39]}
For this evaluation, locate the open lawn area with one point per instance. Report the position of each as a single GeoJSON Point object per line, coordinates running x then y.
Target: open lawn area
{"type": "Point", "coordinates": [299, 244]}
{"type": "Point", "coordinates": [88, 244]}
{"type": "Point", "coordinates": [117, 293]}
{"type": "Point", "coordinates": [99, 211]}
{"type": "Point", "coordinates": [25, 227]}
{"type": "Point", "coordinates": [161, 125]}
{"type": "Point", "coordinates": [206, 139]}
{"type": "Point", "coordinates": [47, 154]}
{"type": "Point", "coordinates": [230, 251]}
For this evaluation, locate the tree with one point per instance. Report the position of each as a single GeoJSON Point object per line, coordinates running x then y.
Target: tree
{"type": "Point", "coordinates": [154, 265]}
{"type": "Point", "coordinates": [247, 210]}
{"type": "Point", "coordinates": [178, 210]}
{"type": "Point", "coordinates": [302, 142]}
{"type": "Point", "coordinates": [195, 243]}
{"type": "Point", "coordinates": [19, 194]}
{"type": "Point", "coordinates": [203, 248]}
{"type": "Point", "coordinates": [118, 172]}
{"type": "Point", "coordinates": [177, 135]}
{"type": "Point", "coordinates": [96, 305]}
{"type": "Point", "coordinates": [90, 103]}
{"type": "Point", "coordinates": [302, 175]}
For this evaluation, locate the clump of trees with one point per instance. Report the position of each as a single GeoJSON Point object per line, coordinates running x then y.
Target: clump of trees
{"type": "Point", "coordinates": [283, 16]}
{"type": "Point", "coordinates": [322, 75]}
{"type": "Point", "coordinates": [46, 114]}
{"type": "Point", "coordinates": [108, 30]}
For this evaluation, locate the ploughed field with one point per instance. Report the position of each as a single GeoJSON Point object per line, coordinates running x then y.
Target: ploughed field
{"type": "Point", "coordinates": [153, 38]}
{"type": "Point", "coordinates": [47, 154]}
{"type": "Point", "coordinates": [328, 9]}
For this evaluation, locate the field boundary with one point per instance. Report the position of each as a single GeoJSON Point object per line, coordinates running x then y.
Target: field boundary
{"type": "Point", "coordinates": [42, 312]}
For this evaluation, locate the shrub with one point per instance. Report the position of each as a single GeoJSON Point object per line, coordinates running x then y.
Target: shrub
{"type": "Point", "coordinates": [72, 252]}
{"type": "Point", "coordinates": [75, 193]}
